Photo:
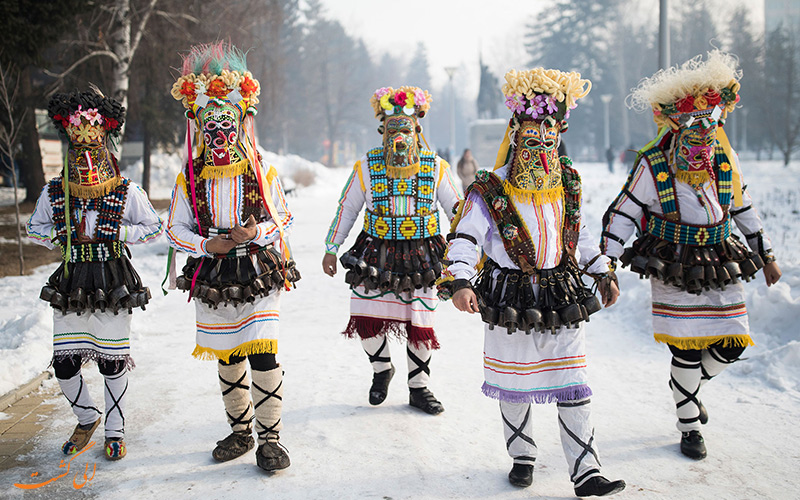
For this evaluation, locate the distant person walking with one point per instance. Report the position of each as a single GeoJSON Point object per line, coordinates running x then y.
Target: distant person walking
{"type": "Point", "coordinates": [467, 167]}
{"type": "Point", "coordinates": [610, 158]}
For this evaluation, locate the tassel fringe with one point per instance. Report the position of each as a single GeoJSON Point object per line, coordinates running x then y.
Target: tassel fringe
{"type": "Point", "coordinates": [704, 342]}
{"type": "Point", "coordinates": [91, 192]}
{"type": "Point", "coordinates": [695, 178]}
{"type": "Point", "coordinates": [402, 172]}
{"type": "Point", "coordinates": [539, 197]}
{"type": "Point", "coordinates": [224, 171]}
{"type": "Point", "coordinates": [538, 397]}
{"type": "Point", "coordinates": [259, 346]}
{"type": "Point", "coordinates": [365, 328]}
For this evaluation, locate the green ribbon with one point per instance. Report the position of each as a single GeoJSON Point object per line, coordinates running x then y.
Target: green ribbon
{"type": "Point", "coordinates": [68, 252]}
{"type": "Point", "coordinates": [169, 264]}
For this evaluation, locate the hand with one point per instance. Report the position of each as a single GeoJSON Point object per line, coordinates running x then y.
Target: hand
{"type": "Point", "coordinates": [609, 292]}
{"type": "Point", "coordinates": [772, 273]}
{"type": "Point", "coordinates": [465, 300]}
{"type": "Point", "coordinates": [242, 234]}
{"type": "Point", "coordinates": [220, 244]}
{"type": "Point", "coordinates": [85, 238]}
{"type": "Point", "coordinates": [329, 264]}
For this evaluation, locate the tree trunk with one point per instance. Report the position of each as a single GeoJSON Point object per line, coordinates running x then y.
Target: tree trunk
{"type": "Point", "coordinates": [31, 171]}
{"type": "Point", "coordinates": [146, 160]}
{"type": "Point", "coordinates": [121, 46]}
{"type": "Point", "coordinates": [19, 224]}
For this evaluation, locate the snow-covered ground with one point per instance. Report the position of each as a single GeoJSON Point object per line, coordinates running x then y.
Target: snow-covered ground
{"type": "Point", "coordinates": [343, 448]}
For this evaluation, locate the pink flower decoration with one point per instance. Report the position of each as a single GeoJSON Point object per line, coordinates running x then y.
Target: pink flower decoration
{"type": "Point", "coordinates": [537, 107]}
{"type": "Point", "coordinates": [419, 97]}
{"type": "Point", "coordinates": [551, 105]}
{"type": "Point", "coordinates": [515, 104]}
{"type": "Point", "coordinates": [93, 116]}
{"type": "Point", "coordinates": [381, 92]}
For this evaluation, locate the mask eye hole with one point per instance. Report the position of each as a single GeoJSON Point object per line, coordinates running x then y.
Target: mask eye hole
{"type": "Point", "coordinates": [226, 124]}
{"type": "Point", "coordinates": [211, 125]}
{"type": "Point", "coordinates": [532, 142]}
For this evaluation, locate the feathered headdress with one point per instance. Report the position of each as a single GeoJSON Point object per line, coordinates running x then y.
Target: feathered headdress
{"type": "Point", "coordinates": [219, 72]}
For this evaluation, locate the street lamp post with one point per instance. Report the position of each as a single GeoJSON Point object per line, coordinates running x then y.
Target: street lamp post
{"type": "Point", "coordinates": [663, 34]}
{"type": "Point", "coordinates": [451, 70]}
{"type": "Point", "coordinates": [606, 98]}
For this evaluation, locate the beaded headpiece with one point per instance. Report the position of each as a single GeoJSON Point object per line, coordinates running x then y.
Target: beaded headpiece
{"type": "Point", "coordinates": [87, 120]}
{"type": "Point", "coordinates": [543, 95]}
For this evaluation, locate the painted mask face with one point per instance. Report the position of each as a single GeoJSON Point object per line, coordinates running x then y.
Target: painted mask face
{"type": "Point", "coordinates": [400, 140]}
{"type": "Point", "coordinates": [696, 147]}
{"type": "Point", "coordinates": [220, 133]}
{"type": "Point", "coordinates": [535, 155]}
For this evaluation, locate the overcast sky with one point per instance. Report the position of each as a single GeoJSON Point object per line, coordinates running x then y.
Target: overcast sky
{"type": "Point", "coordinates": [456, 31]}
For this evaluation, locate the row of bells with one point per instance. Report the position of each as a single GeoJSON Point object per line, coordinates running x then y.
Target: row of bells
{"type": "Point", "coordinates": [235, 293]}
{"type": "Point", "coordinates": [80, 301]}
{"type": "Point", "coordinates": [540, 320]}
{"type": "Point", "coordinates": [693, 278]}
{"type": "Point", "coordinates": [372, 278]}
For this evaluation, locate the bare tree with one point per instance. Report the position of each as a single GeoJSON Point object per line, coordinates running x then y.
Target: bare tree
{"type": "Point", "coordinates": [125, 25]}
{"type": "Point", "coordinates": [782, 92]}
{"type": "Point", "coordinates": [9, 137]}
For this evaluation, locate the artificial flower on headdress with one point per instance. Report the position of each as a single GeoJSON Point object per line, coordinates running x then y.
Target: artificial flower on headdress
{"type": "Point", "coordinates": [539, 93]}
{"type": "Point", "coordinates": [216, 72]}
{"type": "Point", "coordinates": [694, 88]}
{"type": "Point", "coordinates": [406, 99]}
{"type": "Point", "coordinates": [83, 110]}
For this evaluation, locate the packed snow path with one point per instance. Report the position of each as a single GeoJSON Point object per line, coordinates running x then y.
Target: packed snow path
{"type": "Point", "coordinates": [341, 447]}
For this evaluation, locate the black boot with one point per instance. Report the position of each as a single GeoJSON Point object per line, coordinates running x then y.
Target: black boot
{"type": "Point", "coordinates": [692, 445]}
{"type": "Point", "coordinates": [598, 486]}
{"type": "Point", "coordinates": [424, 399]}
{"type": "Point", "coordinates": [272, 456]}
{"type": "Point", "coordinates": [233, 446]}
{"type": "Point", "coordinates": [521, 475]}
{"type": "Point", "coordinates": [380, 386]}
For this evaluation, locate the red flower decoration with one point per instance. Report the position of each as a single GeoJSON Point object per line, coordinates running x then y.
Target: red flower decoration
{"type": "Point", "coordinates": [110, 123]}
{"type": "Point", "coordinates": [217, 88]}
{"type": "Point", "coordinates": [712, 97]}
{"type": "Point", "coordinates": [400, 98]}
{"type": "Point", "coordinates": [686, 104]}
{"type": "Point", "coordinates": [248, 86]}
{"type": "Point", "coordinates": [188, 88]}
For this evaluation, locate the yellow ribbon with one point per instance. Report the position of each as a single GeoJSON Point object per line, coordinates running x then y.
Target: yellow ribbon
{"type": "Point", "coordinates": [502, 154]}
{"type": "Point", "coordinates": [722, 137]}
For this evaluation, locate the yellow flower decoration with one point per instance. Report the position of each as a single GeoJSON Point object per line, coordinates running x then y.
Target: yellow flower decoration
{"type": "Point", "coordinates": [425, 189]}
{"type": "Point", "coordinates": [700, 102]}
{"type": "Point", "coordinates": [425, 168]}
{"type": "Point", "coordinates": [725, 166]}
{"type": "Point", "coordinates": [385, 102]}
{"type": "Point", "coordinates": [662, 176]}
{"type": "Point", "coordinates": [379, 187]}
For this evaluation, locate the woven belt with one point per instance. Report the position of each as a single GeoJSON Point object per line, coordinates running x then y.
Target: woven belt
{"type": "Point", "coordinates": [407, 227]}
{"type": "Point", "coordinates": [686, 234]}
{"type": "Point", "coordinates": [95, 252]}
